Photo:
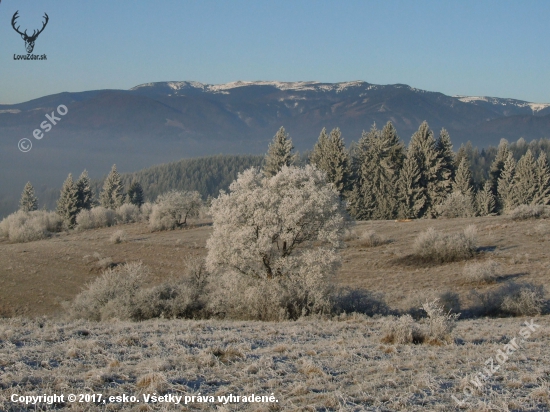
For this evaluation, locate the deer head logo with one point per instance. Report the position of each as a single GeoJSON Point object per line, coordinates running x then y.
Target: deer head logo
{"type": "Point", "coordinates": [29, 40]}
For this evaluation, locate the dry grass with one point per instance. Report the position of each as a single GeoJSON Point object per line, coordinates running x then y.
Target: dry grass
{"type": "Point", "coordinates": [336, 363]}
{"type": "Point", "coordinates": [308, 364]}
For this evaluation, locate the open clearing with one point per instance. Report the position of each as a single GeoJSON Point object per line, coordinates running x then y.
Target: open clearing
{"type": "Point", "coordinates": [310, 364]}
{"type": "Point", "coordinates": [36, 277]}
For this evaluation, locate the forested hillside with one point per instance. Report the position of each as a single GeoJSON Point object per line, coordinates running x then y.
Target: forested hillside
{"type": "Point", "coordinates": [206, 175]}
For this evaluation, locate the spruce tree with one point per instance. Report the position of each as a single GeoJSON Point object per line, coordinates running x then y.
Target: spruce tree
{"type": "Point", "coordinates": [28, 201]}
{"type": "Point", "coordinates": [378, 157]}
{"type": "Point", "coordinates": [506, 184]}
{"type": "Point", "coordinates": [485, 200]}
{"type": "Point", "coordinates": [526, 180]}
{"type": "Point", "coordinates": [112, 195]}
{"type": "Point", "coordinates": [67, 204]}
{"type": "Point", "coordinates": [330, 156]}
{"type": "Point", "coordinates": [135, 194]}
{"type": "Point", "coordinates": [542, 196]}
{"type": "Point", "coordinates": [84, 192]}
{"type": "Point", "coordinates": [445, 178]}
{"type": "Point", "coordinates": [496, 170]}
{"type": "Point", "coordinates": [463, 179]}
{"type": "Point", "coordinates": [411, 194]}
{"type": "Point", "coordinates": [422, 148]}
{"type": "Point", "coordinates": [279, 153]}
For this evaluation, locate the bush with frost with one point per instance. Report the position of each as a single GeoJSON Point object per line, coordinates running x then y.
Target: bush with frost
{"type": "Point", "coordinates": [524, 212]}
{"type": "Point", "coordinates": [28, 226]}
{"type": "Point", "coordinates": [172, 209]}
{"type": "Point", "coordinates": [95, 218]}
{"type": "Point", "coordinates": [480, 272]}
{"type": "Point", "coordinates": [272, 250]}
{"type": "Point", "coordinates": [435, 246]}
{"type": "Point", "coordinates": [510, 299]}
{"type": "Point", "coordinates": [128, 213]}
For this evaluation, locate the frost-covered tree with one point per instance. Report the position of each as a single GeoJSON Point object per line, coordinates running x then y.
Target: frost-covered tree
{"type": "Point", "coordinates": [279, 153]}
{"type": "Point", "coordinates": [423, 149]}
{"type": "Point", "coordinates": [112, 195]}
{"type": "Point", "coordinates": [411, 194]}
{"type": "Point", "coordinates": [542, 196]}
{"type": "Point", "coordinates": [276, 227]}
{"type": "Point", "coordinates": [526, 180]}
{"type": "Point", "coordinates": [496, 170]}
{"type": "Point", "coordinates": [135, 194]}
{"type": "Point", "coordinates": [67, 204]}
{"type": "Point", "coordinates": [378, 157]}
{"type": "Point", "coordinates": [330, 156]}
{"type": "Point", "coordinates": [463, 178]}
{"type": "Point", "coordinates": [84, 192]}
{"type": "Point", "coordinates": [28, 201]}
{"type": "Point", "coordinates": [506, 192]}
{"type": "Point", "coordinates": [445, 178]}
{"type": "Point", "coordinates": [485, 200]}
{"type": "Point", "coordinates": [172, 209]}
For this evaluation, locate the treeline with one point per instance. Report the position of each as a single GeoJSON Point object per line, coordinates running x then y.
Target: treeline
{"type": "Point", "coordinates": [206, 175]}
{"type": "Point", "coordinates": [379, 176]}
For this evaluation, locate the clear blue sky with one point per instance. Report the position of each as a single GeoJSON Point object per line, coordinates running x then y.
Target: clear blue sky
{"type": "Point", "coordinates": [494, 48]}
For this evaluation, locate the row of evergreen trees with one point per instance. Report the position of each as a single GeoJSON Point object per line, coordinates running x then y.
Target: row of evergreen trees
{"type": "Point", "coordinates": [77, 196]}
{"type": "Point", "coordinates": [380, 178]}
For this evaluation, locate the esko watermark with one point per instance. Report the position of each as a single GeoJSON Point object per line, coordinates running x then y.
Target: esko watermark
{"type": "Point", "coordinates": [501, 357]}
{"type": "Point", "coordinates": [25, 145]}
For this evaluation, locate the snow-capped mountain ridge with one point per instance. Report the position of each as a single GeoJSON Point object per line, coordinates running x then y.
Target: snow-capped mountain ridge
{"type": "Point", "coordinates": [180, 87]}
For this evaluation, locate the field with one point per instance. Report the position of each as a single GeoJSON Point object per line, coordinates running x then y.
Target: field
{"type": "Point", "coordinates": [311, 364]}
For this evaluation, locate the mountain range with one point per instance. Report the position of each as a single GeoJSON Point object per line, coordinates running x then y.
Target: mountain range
{"type": "Point", "coordinates": [165, 121]}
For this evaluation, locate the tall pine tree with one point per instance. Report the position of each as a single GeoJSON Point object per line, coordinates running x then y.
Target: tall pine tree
{"type": "Point", "coordinates": [330, 156]}
{"type": "Point", "coordinates": [279, 153]}
{"type": "Point", "coordinates": [496, 170]}
{"type": "Point", "coordinates": [423, 149]}
{"type": "Point", "coordinates": [445, 178]}
{"type": "Point", "coordinates": [135, 194]}
{"type": "Point", "coordinates": [542, 196]}
{"type": "Point", "coordinates": [378, 158]}
{"type": "Point", "coordinates": [526, 180]}
{"type": "Point", "coordinates": [463, 178]}
{"type": "Point", "coordinates": [112, 195]}
{"type": "Point", "coordinates": [84, 192]}
{"type": "Point", "coordinates": [505, 187]}
{"type": "Point", "coordinates": [485, 200]}
{"type": "Point", "coordinates": [28, 201]}
{"type": "Point", "coordinates": [411, 194]}
{"type": "Point", "coordinates": [67, 204]}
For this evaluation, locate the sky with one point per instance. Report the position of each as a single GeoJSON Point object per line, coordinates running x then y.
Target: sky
{"type": "Point", "coordinates": [477, 48]}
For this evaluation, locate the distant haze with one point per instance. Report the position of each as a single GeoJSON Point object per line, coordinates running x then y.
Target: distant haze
{"type": "Point", "coordinates": [166, 121]}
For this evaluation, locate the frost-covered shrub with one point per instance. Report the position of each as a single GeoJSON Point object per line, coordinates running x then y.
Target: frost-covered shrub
{"type": "Point", "coordinates": [113, 294]}
{"type": "Point", "coordinates": [172, 209]}
{"type": "Point", "coordinates": [456, 205]}
{"type": "Point", "coordinates": [511, 299]}
{"type": "Point", "coordinates": [440, 322]}
{"type": "Point", "coordinates": [146, 210]}
{"type": "Point", "coordinates": [441, 247]}
{"type": "Point", "coordinates": [119, 293]}
{"type": "Point", "coordinates": [28, 226]}
{"type": "Point", "coordinates": [371, 239]}
{"type": "Point", "coordinates": [480, 272]}
{"type": "Point", "coordinates": [525, 212]}
{"type": "Point", "coordinates": [118, 236]}
{"type": "Point", "coordinates": [402, 330]}
{"type": "Point", "coordinates": [95, 218]}
{"type": "Point", "coordinates": [276, 238]}
{"type": "Point", "coordinates": [128, 213]}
